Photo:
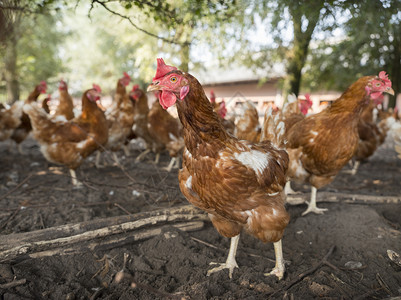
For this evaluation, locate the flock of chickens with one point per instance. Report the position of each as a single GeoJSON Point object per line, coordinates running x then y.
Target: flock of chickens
{"type": "Point", "coordinates": [239, 173]}
{"type": "Point", "coordinates": [67, 137]}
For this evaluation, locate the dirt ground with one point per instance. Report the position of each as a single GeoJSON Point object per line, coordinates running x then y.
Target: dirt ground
{"type": "Point", "coordinates": [35, 195]}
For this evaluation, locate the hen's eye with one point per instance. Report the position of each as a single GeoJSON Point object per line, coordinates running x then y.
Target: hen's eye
{"type": "Point", "coordinates": [173, 79]}
{"type": "Point", "coordinates": [378, 84]}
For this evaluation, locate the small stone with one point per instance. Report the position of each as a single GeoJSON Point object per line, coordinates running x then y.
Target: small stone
{"type": "Point", "coordinates": [353, 265]}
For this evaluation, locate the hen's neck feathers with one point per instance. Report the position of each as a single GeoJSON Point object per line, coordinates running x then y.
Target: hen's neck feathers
{"type": "Point", "coordinates": [354, 99]}
{"type": "Point", "coordinates": [33, 96]}
{"type": "Point", "coordinates": [201, 124]}
{"type": "Point", "coordinates": [90, 110]}
{"type": "Point", "coordinates": [142, 105]}
{"type": "Point", "coordinates": [120, 89]}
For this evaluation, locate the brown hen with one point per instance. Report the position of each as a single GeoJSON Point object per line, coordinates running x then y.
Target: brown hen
{"type": "Point", "coordinates": [120, 118]}
{"type": "Point", "coordinates": [239, 183]}
{"type": "Point", "coordinates": [21, 132]}
{"type": "Point", "coordinates": [321, 144]}
{"type": "Point", "coordinates": [70, 142]}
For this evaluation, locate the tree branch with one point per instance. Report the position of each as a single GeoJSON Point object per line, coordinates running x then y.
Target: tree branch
{"type": "Point", "coordinates": [103, 4]}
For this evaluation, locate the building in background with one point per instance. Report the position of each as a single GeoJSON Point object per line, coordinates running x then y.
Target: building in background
{"type": "Point", "coordinates": [242, 84]}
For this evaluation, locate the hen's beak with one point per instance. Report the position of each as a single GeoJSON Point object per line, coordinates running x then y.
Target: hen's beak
{"type": "Point", "coordinates": [390, 91]}
{"type": "Point", "coordinates": [153, 87]}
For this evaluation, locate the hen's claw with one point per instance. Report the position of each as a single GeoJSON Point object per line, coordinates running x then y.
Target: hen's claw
{"type": "Point", "coordinates": [277, 271]}
{"type": "Point", "coordinates": [314, 209]}
{"type": "Point", "coordinates": [230, 266]}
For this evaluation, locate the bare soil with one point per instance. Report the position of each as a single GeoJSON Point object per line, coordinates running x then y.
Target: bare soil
{"type": "Point", "coordinates": [35, 195]}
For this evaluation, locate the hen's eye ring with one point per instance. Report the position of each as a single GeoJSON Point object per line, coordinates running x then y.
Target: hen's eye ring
{"type": "Point", "coordinates": [173, 79]}
{"type": "Point", "coordinates": [378, 84]}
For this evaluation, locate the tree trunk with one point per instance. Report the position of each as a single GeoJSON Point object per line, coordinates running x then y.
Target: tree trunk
{"type": "Point", "coordinates": [10, 62]}
{"type": "Point", "coordinates": [296, 62]}
{"type": "Point", "coordinates": [395, 71]}
{"type": "Point", "coordinates": [184, 54]}
{"type": "Point", "coordinates": [297, 55]}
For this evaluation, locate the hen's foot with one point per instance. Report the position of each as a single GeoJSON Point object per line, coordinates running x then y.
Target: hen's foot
{"type": "Point", "coordinates": [229, 266]}
{"type": "Point", "coordinates": [277, 271]}
{"type": "Point", "coordinates": [77, 184]}
{"type": "Point", "coordinates": [289, 191]}
{"type": "Point", "coordinates": [352, 172]}
{"type": "Point", "coordinates": [314, 209]}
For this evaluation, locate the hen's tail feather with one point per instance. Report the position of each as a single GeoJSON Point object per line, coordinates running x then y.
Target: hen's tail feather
{"type": "Point", "coordinates": [37, 115]}
{"type": "Point", "coordinates": [273, 129]}
{"type": "Point", "coordinates": [290, 106]}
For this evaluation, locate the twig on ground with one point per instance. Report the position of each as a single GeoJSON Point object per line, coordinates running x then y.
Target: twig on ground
{"type": "Point", "coordinates": [12, 284]}
{"type": "Point", "coordinates": [96, 294]}
{"type": "Point", "coordinates": [367, 294]}
{"type": "Point", "coordinates": [331, 197]}
{"type": "Point", "coordinates": [85, 183]}
{"type": "Point", "coordinates": [204, 243]}
{"type": "Point", "coordinates": [11, 217]}
{"type": "Point", "coordinates": [104, 269]}
{"type": "Point", "coordinates": [17, 187]}
{"type": "Point", "coordinates": [383, 283]}
{"type": "Point", "coordinates": [122, 208]}
{"type": "Point", "coordinates": [301, 276]}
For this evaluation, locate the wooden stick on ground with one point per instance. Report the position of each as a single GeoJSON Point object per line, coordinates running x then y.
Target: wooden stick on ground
{"type": "Point", "coordinates": [75, 238]}
{"type": "Point", "coordinates": [308, 272]}
{"type": "Point", "coordinates": [12, 284]}
{"type": "Point", "coordinates": [297, 199]}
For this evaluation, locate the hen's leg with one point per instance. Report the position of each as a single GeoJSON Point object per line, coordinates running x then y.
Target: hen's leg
{"type": "Point", "coordinates": [279, 269]}
{"type": "Point", "coordinates": [170, 165]}
{"type": "Point", "coordinates": [97, 160]}
{"type": "Point", "coordinates": [126, 150]}
{"type": "Point", "coordinates": [230, 263]}
{"type": "Point", "coordinates": [312, 204]}
{"type": "Point", "coordinates": [288, 190]}
{"type": "Point", "coordinates": [20, 149]}
{"type": "Point", "coordinates": [157, 158]}
{"type": "Point", "coordinates": [142, 155]}
{"type": "Point", "coordinates": [115, 158]}
{"type": "Point", "coordinates": [75, 181]}
{"type": "Point", "coordinates": [354, 168]}
{"type": "Point", "coordinates": [177, 162]}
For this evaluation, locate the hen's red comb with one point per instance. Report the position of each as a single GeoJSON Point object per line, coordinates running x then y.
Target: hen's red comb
{"type": "Point", "coordinates": [162, 69]}
{"type": "Point", "coordinates": [383, 76]}
{"type": "Point", "coordinates": [126, 75]}
{"type": "Point", "coordinates": [43, 83]}
{"type": "Point", "coordinates": [212, 96]}
{"type": "Point", "coordinates": [97, 88]}
{"type": "Point", "coordinates": [135, 87]}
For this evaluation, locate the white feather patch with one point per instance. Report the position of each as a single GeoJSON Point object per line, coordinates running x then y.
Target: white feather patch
{"type": "Point", "coordinates": [188, 154]}
{"type": "Point", "coordinates": [188, 183]}
{"type": "Point", "coordinates": [81, 144]}
{"type": "Point", "coordinates": [291, 98]}
{"type": "Point", "coordinates": [256, 160]}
